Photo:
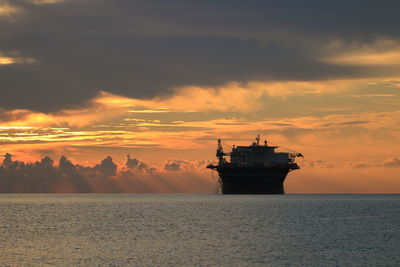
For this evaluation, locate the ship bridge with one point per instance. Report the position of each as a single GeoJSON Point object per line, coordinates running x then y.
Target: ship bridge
{"type": "Point", "coordinates": [258, 155]}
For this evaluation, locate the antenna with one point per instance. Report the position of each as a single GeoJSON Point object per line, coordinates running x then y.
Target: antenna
{"type": "Point", "coordinates": [219, 145]}
{"type": "Point", "coordinates": [258, 139]}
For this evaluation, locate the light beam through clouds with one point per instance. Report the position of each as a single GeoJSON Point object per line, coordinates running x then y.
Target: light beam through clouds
{"type": "Point", "coordinates": [342, 139]}
{"type": "Point", "coordinates": [163, 80]}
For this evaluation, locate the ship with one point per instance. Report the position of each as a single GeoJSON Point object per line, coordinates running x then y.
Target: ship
{"type": "Point", "coordinates": [254, 169]}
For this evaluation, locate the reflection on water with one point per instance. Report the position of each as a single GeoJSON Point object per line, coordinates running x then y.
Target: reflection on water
{"type": "Point", "coordinates": [149, 230]}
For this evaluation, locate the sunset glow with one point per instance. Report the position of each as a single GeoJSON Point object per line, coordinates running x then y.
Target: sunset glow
{"type": "Point", "coordinates": [338, 104]}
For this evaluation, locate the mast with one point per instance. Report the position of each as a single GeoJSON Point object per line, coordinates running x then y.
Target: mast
{"type": "Point", "coordinates": [258, 140]}
{"type": "Point", "coordinates": [220, 153]}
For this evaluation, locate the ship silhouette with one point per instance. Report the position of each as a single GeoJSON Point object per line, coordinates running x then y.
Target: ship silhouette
{"type": "Point", "coordinates": [254, 169]}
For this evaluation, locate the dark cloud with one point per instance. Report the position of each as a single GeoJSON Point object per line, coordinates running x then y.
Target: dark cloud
{"type": "Point", "coordinates": [132, 163]}
{"type": "Point", "coordinates": [135, 177]}
{"type": "Point", "coordinates": [143, 48]}
{"type": "Point", "coordinates": [179, 165]}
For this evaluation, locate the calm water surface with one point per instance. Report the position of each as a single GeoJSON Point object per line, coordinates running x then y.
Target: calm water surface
{"type": "Point", "coordinates": [213, 230]}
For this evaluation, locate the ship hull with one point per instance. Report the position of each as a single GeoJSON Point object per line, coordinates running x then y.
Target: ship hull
{"type": "Point", "coordinates": [245, 180]}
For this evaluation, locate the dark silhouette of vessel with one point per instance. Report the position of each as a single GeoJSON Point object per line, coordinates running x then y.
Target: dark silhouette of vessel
{"type": "Point", "coordinates": [254, 169]}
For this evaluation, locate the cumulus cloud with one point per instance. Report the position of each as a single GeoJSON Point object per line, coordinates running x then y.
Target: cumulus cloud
{"type": "Point", "coordinates": [182, 165]}
{"type": "Point", "coordinates": [135, 164]}
{"type": "Point", "coordinates": [173, 176]}
{"type": "Point", "coordinates": [66, 177]}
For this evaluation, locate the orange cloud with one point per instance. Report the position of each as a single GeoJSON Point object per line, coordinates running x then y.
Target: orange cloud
{"type": "Point", "coordinates": [357, 134]}
{"type": "Point", "coordinates": [190, 119]}
{"type": "Point", "coordinates": [240, 99]}
{"type": "Point", "coordinates": [244, 98]}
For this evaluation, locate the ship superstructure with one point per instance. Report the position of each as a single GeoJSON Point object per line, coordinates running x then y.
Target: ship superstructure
{"type": "Point", "coordinates": [254, 169]}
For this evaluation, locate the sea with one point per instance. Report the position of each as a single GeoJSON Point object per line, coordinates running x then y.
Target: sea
{"type": "Point", "coordinates": [199, 230]}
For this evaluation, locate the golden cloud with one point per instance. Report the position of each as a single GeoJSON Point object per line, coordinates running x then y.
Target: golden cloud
{"type": "Point", "coordinates": [243, 98]}
{"type": "Point", "coordinates": [11, 12]}
{"type": "Point", "coordinates": [6, 8]}
{"type": "Point", "coordinates": [381, 53]}
{"type": "Point", "coordinates": [8, 11]}
{"type": "Point", "coordinates": [15, 59]}
{"type": "Point", "coordinates": [177, 122]}
{"type": "Point", "coordinates": [365, 58]}
{"type": "Point", "coordinates": [45, 2]}
{"type": "Point", "coordinates": [184, 134]}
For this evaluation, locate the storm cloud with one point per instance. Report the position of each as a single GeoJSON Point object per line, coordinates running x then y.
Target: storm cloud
{"type": "Point", "coordinates": [68, 51]}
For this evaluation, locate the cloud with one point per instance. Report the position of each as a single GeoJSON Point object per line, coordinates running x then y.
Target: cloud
{"type": "Point", "coordinates": [382, 52]}
{"type": "Point", "coordinates": [45, 2]}
{"type": "Point", "coordinates": [176, 121]}
{"type": "Point", "coordinates": [386, 58]}
{"type": "Point", "coordinates": [169, 77]}
{"type": "Point", "coordinates": [231, 97]}
{"type": "Point", "coordinates": [132, 164]}
{"type": "Point", "coordinates": [4, 60]}
{"type": "Point", "coordinates": [319, 164]}
{"type": "Point", "coordinates": [135, 177]}
{"type": "Point", "coordinates": [175, 176]}
{"type": "Point", "coordinates": [183, 165]}
{"type": "Point", "coordinates": [143, 49]}
{"type": "Point", "coordinates": [391, 162]}
{"type": "Point", "coordinates": [8, 11]}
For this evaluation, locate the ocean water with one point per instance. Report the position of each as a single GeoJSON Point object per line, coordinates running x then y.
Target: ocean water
{"type": "Point", "coordinates": [200, 230]}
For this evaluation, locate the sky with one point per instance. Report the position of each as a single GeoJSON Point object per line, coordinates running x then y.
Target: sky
{"type": "Point", "coordinates": [163, 80]}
